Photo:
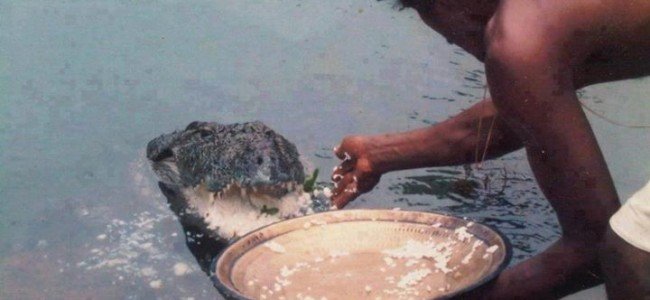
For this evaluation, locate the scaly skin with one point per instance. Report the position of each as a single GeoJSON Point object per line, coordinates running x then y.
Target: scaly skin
{"type": "Point", "coordinates": [249, 157]}
{"type": "Point", "coordinates": [250, 154]}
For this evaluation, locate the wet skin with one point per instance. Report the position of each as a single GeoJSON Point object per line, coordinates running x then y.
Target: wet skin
{"type": "Point", "coordinates": [536, 54]}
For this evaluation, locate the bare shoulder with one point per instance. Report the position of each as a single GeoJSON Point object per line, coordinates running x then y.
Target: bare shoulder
{"type": "Point", "coordinates": [578, 27]}
{"type": "Point", "coordinates": [598, 18]}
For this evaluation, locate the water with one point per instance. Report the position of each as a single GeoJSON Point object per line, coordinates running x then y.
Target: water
{"type": "Point", "coordinates": [86, 84]}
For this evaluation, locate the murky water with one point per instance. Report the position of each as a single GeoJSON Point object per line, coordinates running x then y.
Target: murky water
{"type": "Point", "coordinates": [86, 84]}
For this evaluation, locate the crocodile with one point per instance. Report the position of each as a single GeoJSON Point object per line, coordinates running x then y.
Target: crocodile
{"type": "Point", "coordinates": [225, 180]}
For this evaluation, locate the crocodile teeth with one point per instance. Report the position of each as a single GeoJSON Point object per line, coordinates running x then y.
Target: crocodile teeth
{"type": "Point", "coordinates": [211, 198]}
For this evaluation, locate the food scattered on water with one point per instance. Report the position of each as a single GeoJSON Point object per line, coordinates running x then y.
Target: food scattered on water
{"type": "Point", "coordinates": [155, 284]}
{"type": "Point", "coordinates": [181, 269]}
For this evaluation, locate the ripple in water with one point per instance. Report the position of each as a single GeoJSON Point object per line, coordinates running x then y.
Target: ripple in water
{"type": "Point", "coordinates": [505, 199]}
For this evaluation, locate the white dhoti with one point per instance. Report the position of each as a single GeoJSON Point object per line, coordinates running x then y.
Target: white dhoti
{"type": "Point", "coordinates": [632, 221]}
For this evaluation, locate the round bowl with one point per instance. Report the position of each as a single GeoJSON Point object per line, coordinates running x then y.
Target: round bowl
{"type": "Point", "coordinates": [361, 254]}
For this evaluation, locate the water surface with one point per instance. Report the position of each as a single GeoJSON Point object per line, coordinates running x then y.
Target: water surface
{"type": "Point", "coordinates": [86, 84]}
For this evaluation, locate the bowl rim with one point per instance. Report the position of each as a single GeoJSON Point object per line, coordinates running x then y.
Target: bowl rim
{"type": "Point", "coordinates": [231, 294]}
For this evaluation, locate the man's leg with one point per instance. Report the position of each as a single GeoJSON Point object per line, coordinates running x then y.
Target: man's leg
{"type": "Point", "coordinates": [625, 252]}
{"type": "Point", "coordinates": [626, 268]}
{"type": "Point", "coordinates": [531, 51]}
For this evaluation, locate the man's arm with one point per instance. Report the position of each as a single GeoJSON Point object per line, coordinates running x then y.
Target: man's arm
{"type": "Point", "coordinates": [459, 140]}
{"type": "Point", "coordinates": [452, 142]}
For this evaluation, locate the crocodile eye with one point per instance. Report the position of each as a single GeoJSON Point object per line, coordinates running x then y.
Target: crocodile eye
{"type": "Point", "coordinates": [205, 133]}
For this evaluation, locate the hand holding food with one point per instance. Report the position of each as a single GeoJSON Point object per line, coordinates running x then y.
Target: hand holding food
{"type": "Point", "coordinates": [356, 173]}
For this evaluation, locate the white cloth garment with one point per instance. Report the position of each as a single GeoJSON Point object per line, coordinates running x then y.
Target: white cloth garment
{"type": "Point", "coordinates": [632, 221]}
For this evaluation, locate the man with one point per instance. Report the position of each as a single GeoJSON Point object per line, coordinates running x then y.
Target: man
{"type": "Point", "coordinates": [536, 54]}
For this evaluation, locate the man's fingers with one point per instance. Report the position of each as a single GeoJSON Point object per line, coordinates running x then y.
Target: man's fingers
{"type": "Point", "coordinates": [337, 177]}
{"type": "Point", "coordinates": [337, 174]}
{"type": "Point", "coordinates": [346, 189]}
{"type": "Point", "coordinates": [346, 166]}
{"type": "Point", "coordinates": [342, 154]}
{"type": "Point", "coordinates": [341, 181]}
{"type": "Point", "coordinates": [343, 199]}
{"type": "Point", "coordinates": [337, 151]}
{"type": "Point", "coordinates": [347, 184]}
{"type": "Point", "coordinates": [341, 170]}
{"type": "Point", "coordinates": [365, 184]}
{"type": "Point", "coordinates": [346, 194]}
{"type": "Point", "coordinates": [345, 180]}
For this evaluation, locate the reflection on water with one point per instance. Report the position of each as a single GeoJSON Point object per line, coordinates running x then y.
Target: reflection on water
{"type": "Point", "coordinates": [508, 200]}
{"type": "Point", "coordinates": [496, 197]}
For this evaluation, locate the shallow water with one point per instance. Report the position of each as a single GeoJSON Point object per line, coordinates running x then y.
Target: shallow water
{"type": "Point", "coordinates": [86, 84]}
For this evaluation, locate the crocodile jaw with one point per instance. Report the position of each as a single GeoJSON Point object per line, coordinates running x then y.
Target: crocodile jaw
{"type": "Point", "coordinates": [237, 210]}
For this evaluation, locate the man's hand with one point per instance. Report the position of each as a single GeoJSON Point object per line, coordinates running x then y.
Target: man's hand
{"type": "Point", "coordinates": [356, 173]}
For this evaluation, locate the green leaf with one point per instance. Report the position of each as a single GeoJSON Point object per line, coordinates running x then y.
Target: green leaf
{"type": "Point", "coordinates": [310, 182]}
{"type": "Point", "coordinates": [269, 210]}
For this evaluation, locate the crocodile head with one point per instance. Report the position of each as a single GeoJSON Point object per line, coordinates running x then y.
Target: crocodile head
{"type": "Point", "coordinates": [220, 157]}
{"type": "Point", "coordinates": [223, 181]}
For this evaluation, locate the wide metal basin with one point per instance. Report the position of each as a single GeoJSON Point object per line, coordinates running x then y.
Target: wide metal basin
{"type": "Point", "coordinates": [362, 254]}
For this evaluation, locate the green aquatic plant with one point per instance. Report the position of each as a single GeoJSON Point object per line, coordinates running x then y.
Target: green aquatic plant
{"type": "Point", "coordinates": [269, 210]}
{"type": "Point", "coordinates": [310, 182]}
